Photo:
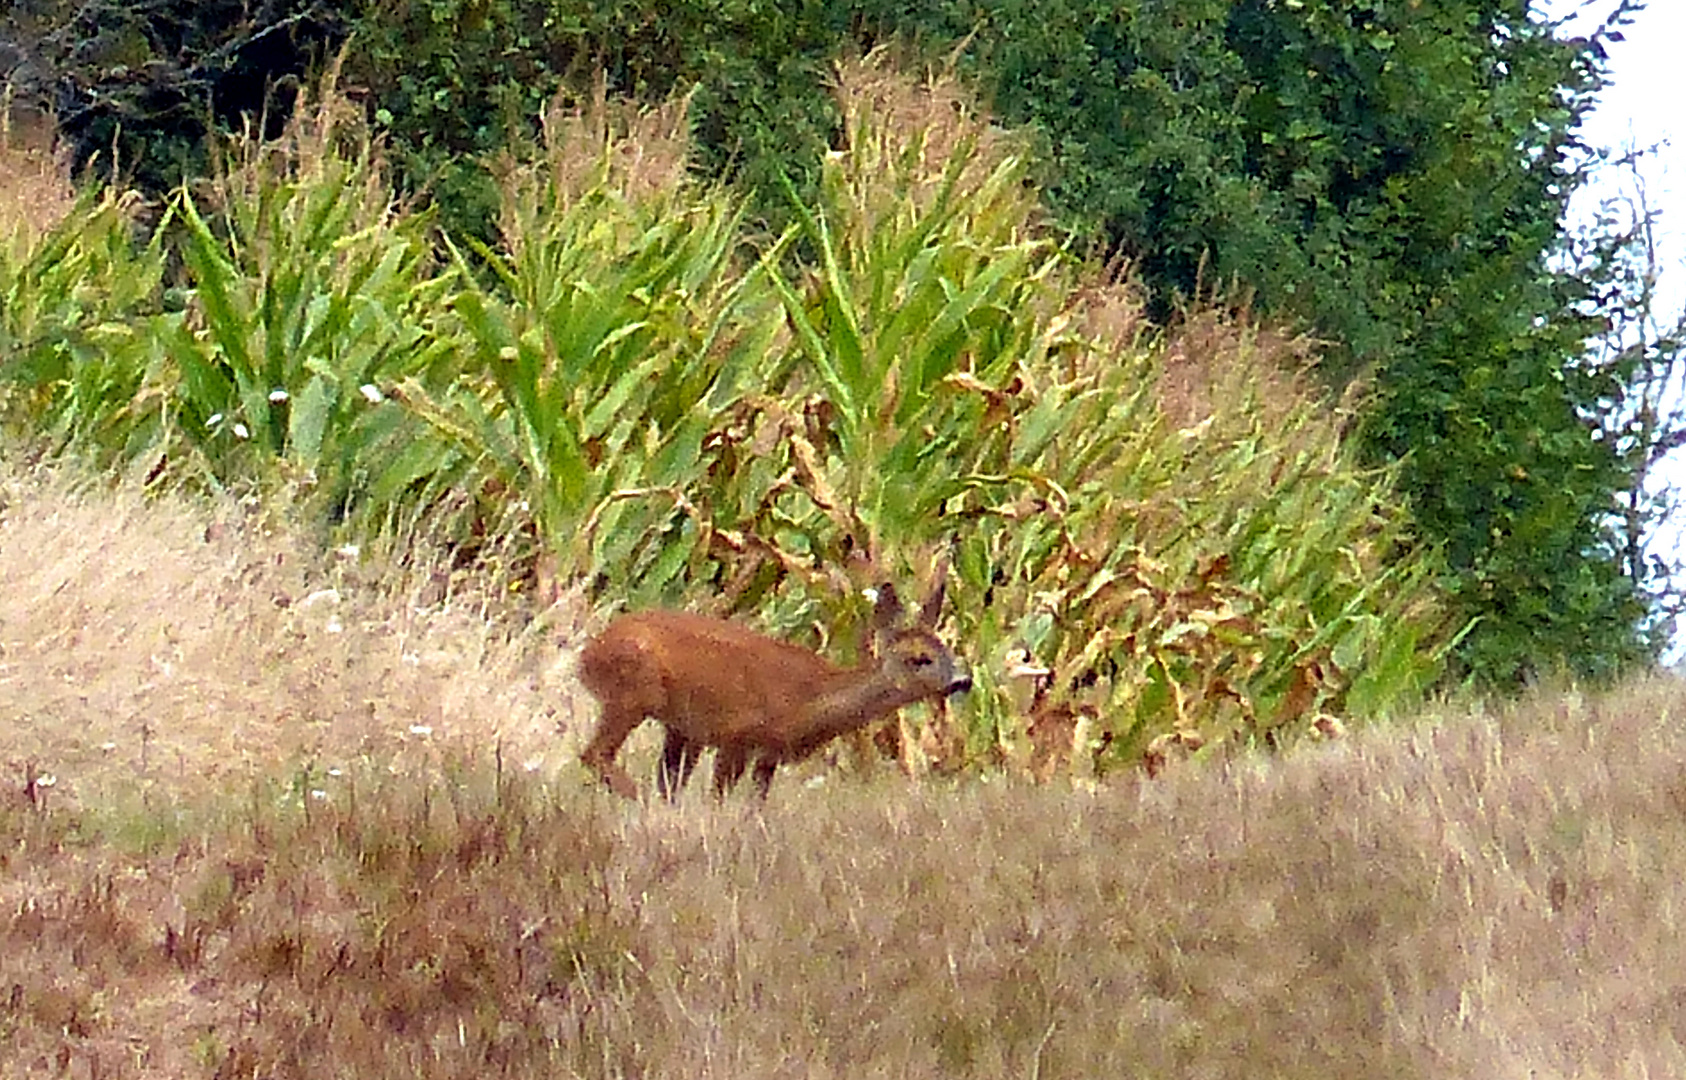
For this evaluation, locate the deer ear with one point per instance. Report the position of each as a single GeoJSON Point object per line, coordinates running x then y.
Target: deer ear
{"type": "Point", "coordinates": [931, 610]}
{"type": "Point", "coordinates": [887, 612]}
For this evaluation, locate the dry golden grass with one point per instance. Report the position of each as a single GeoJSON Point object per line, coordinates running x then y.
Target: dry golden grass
{"type": "Point", "coordinates": [35, 189]}
{"type": "Point", "coordinates": [1484, 895]}
{"type": "Point", "coordinates": [148, 643]}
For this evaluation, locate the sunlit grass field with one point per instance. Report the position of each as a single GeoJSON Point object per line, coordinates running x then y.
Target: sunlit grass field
{"type": "Point", "coordinates": [269, 813]}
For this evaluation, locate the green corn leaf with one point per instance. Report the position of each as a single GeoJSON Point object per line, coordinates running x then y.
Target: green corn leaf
{"type": "Point", "coordinates": [308, 421]}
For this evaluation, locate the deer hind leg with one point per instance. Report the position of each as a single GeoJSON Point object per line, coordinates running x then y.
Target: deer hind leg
{"type": "Point", "coordinates": [729, 763]}
{"type": "Point", "coordinates": [612, 729]}
{"type": "Point", "coordinates": [679, 760]}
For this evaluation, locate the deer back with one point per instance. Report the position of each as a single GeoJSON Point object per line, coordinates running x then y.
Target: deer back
{"type": "Point", "coordinates": [712, 680]}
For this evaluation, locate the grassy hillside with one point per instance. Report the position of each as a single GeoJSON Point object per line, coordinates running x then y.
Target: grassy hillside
{"type": "Point", "coordinates": [250, 826]}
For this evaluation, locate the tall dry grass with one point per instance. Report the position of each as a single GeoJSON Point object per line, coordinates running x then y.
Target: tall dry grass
{"type": "Point", "coordinates": [35, 188]}
{"type": "Point", "coordinates": [152, 643]}
{"type": "Point", "coordinates": [308, 888]}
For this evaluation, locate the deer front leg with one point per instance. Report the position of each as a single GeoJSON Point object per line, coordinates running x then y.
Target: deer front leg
{"type": "Point", "coordinates": [764, 769]}
{"type": "Point", "coordinates": [679, 760]}
{"type": "Point", "coordinates": [612, 729]}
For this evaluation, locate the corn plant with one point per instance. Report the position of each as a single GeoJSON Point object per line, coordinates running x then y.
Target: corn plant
{"type": "Point", "coordinates": [618, 339]}
{"type": "Point", "coordinates": [1240, 579]}
{"type": "Point", "coordinates": [75, 369]}
{"type": "Point", "coordinates": [311, 296]}
{"type": "Point", "coordinates": [923, 303]}
{"type": "Point", "coordinates": [1236, 578]}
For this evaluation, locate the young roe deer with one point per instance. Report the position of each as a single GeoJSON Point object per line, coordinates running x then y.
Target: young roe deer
{"type": "Point", "coordinates": [716, 683]}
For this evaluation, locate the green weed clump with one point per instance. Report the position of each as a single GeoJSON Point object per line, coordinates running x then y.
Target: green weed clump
{"type": "Point", "coordinates": [75, 298]}
{"type": "Point", "coordinates": [1161, 538]}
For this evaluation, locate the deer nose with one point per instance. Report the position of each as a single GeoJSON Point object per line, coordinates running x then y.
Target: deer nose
{"type": "Point", "coordinates": [962, 680]}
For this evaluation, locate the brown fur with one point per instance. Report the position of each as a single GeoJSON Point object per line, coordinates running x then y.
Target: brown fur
{"type": "Point", "coordinates": [716, 683]}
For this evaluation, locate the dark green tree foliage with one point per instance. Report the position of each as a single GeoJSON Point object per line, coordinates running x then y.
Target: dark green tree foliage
{"type": "Point", "coordinates": [143, 84]}
{"type": "Point", "coordinates": [455, 78]}
{"type": "Point", "coordinates": [1441, 168]}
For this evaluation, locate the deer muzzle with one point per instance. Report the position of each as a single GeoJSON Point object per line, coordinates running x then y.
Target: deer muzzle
{"type": "Point", "coordinates": [961, 681]}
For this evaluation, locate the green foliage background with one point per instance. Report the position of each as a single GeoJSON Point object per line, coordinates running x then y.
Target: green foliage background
{"type": "Point", "coordinates": [625, 391]}
{"type": "Point", "coordinates": [1390, 175]}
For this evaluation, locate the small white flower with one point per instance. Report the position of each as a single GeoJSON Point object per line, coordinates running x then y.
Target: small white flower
{"type": "Point", "coordinates": [318, 794]}
{"type": "Point", "coordinates": [277, 396]}
{"type": "Point", "coordinates": [371, 393]}
{"type": "Point", "coordinates": [46, 780]}
{"type": "Point", "coordinates": [240, 430]}
{"type": "Point", "coordinates": [108, 747]}
{"type": "Point", "coordinates": [334, 625]}
{"type": "Point", "coordinates": [216, 418]}
{"type": "Point", "coordinates": [421, 729]}
{"type": "Point", "coordinates": [336, 772]}
{"type": "Point", "coordinates": [348, 551]}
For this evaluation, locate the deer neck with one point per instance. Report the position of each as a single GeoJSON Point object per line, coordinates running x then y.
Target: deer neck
{"type": "Point", "coordinates": [852, 698]}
